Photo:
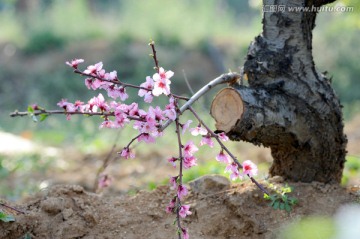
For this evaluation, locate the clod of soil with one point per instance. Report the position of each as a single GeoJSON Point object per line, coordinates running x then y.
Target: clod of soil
{"type": "Point", "coordinates": [219, 210]}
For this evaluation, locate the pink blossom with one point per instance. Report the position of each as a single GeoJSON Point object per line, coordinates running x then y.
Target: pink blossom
{"type": "Point", "coordinates": [189, 161]}
{"type": "Point", "coordinates": [89, 83]}
{"type": "Point", "coordinates": [147, 138]}
{"type": "Point", "coordinates": [148, 97]}
{"type": "Point", "coordinates": [149, 84]}
{"type": "Point", "coordinates": [207, 140]}
{"type": "Point", "coordinates": [120, 121]}
{"type": "Point", "coordinates": [223, 136]}
{"type": "Point", "coordinates": [173, 160]}
{"type": "Point", "coordinates": [68, 116]}
{"type": "Point", "coordinates": [63, 103]}
{"type": "Point", "coordinates": [134, 110]}
{"type": "Point", "coordinates": [120, 117]}
{"type": "Point", "coordinates": [93, 69]}
{"type": "Point", "coordinates": [190, 148]}
{"type": "Point", "coordinates": [107, 124]}
{"type": "Point", "coordinates": [184, 211]}
{"type": "Point", "coordinates": [113, 92]}
{"type": "Point", "coordinates": [98, 101]}
{"type": "Point", "coordinates": [185, 233]}
{"type": "Point", "coordinates": [171, 206]}
{"type": "Point", "coordinates": [74, 63]}
{"type": "Point", "coordinates": [173, 182]}
{"type": "Point", "coordinates": [170, 111]}
{"type": "Point", "coordinates": [249, 168]}
{"type": "Point", "coordinates": [79, 105]}
{"type": "Point", "coordinates": [155, 113]}
{"type": "Point", "coordinates": [186, 126]}
{"type": "Point", "coordinates": [181, 191]}
{"type": "Point", "coordinates": [127, 153]}
{"type": "Point", "coordinates": [111, 76]}
{"type": "Point", "coordinates": [96, 84]}
{"type": "Point", "coordinates": [148, 127]}
{"type": "Point", "coordinates": [222, 157]}
{"type": "Point", "coordinates": [104, 181]}
{"type": "Point", "coordinates": [198, 131]}
{"type": "Point", "coordinates": [233, 169]}
{"type": "Point", "coordinates": [67, 106]}
{"type": "Point", "coordinates": [101, 73]}
{"type": "Point", "coordinates": [116, 92]}
{"type": "Point", "coordinates": [162, 82]}
{"type": "Point", "coordinates": [123, 95]}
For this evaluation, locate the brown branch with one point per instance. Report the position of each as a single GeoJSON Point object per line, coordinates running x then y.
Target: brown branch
{"type": "Point", "coordinates": [12, 208]}
{"type": "Point", "coordinates": [224, 78]}
{"type": "Point", "coordinates": [152, 44]}
{"type": "Point", "coordinates": [57, 112]}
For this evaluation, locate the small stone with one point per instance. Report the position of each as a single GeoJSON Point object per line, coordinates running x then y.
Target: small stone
{"type": "Point", "coordinates": [67, 213]}
{"type": "Point", "coordinates": [52, 205]}
{"type": "Point", "coordinates": [209, 184]}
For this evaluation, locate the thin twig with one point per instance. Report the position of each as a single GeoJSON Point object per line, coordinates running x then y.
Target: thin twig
{"type": "Point", "coordinates": [117, 81]}
{"type": "Point", "coordinates": [106, 162]}
{"type": "Point", "coordinates": [58, 112]}
{"type": "Point", "coordinates": [152, 44]}
{"type": "Point", "coordinates": [178, 201]}
{"type": "Point", "coordinates": [12, 208]}
{"type": "Point", "coordinates": [226, 149]}
{"type": "Point", "coordinates": [188, 83]}
{"type": "Point", "coordinates": [224, 78]}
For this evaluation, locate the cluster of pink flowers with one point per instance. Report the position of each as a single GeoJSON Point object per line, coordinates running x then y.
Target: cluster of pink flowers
{"type": "Point", "coordinates": [148, 123]}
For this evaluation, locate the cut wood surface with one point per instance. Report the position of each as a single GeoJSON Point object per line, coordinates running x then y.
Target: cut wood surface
{"type": "Point", "coordinates": [227, 109]}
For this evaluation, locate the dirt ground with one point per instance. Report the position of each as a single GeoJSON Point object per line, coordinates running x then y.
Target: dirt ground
{"type": "Point", "coordinates": [219, 210]}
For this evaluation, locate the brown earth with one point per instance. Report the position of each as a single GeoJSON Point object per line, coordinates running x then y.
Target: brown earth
{"type": "Point", "coordinates": [219, 210]}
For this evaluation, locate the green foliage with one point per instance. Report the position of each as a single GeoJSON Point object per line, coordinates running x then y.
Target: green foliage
{"type": "Point", "coordinates": [281, 200]}
{"type": "Point", "coordinates": [351, 170]}
{"type": "Point", "coordinates": [27, 236]}
{"type": "Point", "coordinates": [6, 217]}
{"type": "Point", "coordinates": [310, 228]}
{"type": "Point", "coordinates": [23, 168]}
{"type": "Point", "coordinates": [43, 41]}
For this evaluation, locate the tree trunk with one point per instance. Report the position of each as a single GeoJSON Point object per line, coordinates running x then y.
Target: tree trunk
{"type": "Point", "coordinates": [289, 105]}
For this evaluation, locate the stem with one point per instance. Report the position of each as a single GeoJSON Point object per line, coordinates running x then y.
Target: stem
{"type": "Point", "coordinates": [106, 162]}
{"type": "Point", "coordinates": [117, 81]}
{"type": "Point", "coordinates": [224, 78]}
{"type": "Point", "coordinates": [127, 146]}
{"type": "Point", "coordinates": [152, 44]}
{"type": "Point", "coordinates": [178, 201]}
{"type": "Point", "coordinates": [226, 149]}
{"type": "Point", "coordinates": [58, 112]}
{"type": "Point", "coordinates": [12, 208]}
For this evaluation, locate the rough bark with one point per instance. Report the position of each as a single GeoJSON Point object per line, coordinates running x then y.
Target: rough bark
{"type": "Point", "coordinates": [289, 105]}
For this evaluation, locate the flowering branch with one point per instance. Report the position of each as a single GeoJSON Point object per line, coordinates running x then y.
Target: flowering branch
{"type": "Point", "coordinates": [179, 180]}
{"type": "Point", "coordinates": [223, 147]}
{"type": "Point", "coordinates": [150, 124]}
{"type": "Point", "coordinates": [64, 112]}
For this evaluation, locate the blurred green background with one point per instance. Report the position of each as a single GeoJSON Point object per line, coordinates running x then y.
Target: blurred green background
{"type": "Point", "coordinates": [198, 38]}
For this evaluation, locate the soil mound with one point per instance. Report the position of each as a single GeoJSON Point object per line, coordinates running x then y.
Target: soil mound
{"type": "Point", "coordinates": [219, 210]}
